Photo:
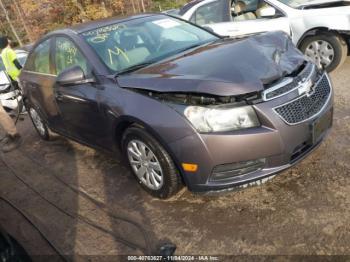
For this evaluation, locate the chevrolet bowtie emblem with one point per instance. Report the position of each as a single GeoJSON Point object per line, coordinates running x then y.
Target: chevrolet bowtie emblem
{"type": "Point", "coordinates": [306, 87]}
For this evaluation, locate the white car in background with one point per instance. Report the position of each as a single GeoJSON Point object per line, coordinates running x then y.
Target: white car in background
{"type": "Point", "coordinates": [319, 28]}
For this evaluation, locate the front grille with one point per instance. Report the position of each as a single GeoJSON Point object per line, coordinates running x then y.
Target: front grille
{"type": "Point", "coordinates": [290, 83]}
{"type": "Point", "coordinates": [306, 106]}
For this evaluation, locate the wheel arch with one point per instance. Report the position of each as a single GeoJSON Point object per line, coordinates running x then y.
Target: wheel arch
{"type": "Point", "coordinates": [36, 105]}
{"type": "Point", "coordinates": [311, 32]}
{"type": "Point", "coordinates": [124, 122]}
{"type": "Point", "coordinates": [315, 30]}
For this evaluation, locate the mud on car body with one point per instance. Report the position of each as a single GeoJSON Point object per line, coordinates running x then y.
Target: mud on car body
{"type": "Point", "coordinates": [183, 104]}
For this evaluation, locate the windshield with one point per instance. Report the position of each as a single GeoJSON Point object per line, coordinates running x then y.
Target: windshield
{"type": "Point", "coordinates": [145, 40]}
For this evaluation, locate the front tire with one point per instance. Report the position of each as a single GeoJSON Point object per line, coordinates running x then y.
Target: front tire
{"type": "Point", "coordinates": [327, 50]}
{"type": "Point", "coordinates": [150, 163]}
{"type": "Point", "coordinates": [38, 122]}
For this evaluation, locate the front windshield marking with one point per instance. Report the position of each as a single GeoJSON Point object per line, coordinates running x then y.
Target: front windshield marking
{"type": "Point", "coordinates": [144, 40]}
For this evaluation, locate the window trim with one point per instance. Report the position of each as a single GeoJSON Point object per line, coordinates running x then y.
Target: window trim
{"type": "Point", "coordinates": [277, 8]}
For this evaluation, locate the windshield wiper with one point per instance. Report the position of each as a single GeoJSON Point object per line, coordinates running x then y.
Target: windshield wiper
{"type": "Point", "coordinates": [192, 47]}
{"type": "Point", "coordinates": [134, 68]}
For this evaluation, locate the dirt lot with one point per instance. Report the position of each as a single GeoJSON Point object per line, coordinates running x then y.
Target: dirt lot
{"type": "Point", "coordinates": [87, 203]}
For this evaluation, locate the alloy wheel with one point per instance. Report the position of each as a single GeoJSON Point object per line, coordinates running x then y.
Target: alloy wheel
{"type": "Point", "coordinates": [321, 53]}
{"type": "Point", "coordinates": [145, 164]}
{"type": "Point", "coordinates": [38, 122]}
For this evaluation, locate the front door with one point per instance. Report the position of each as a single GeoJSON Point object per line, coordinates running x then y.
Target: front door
{"type": "Point", "coordinates": [39, 79]}
{"type": "Point", "coordinates": [78, 103]}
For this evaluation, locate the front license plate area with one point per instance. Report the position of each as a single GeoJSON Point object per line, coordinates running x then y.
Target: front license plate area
{"type": "Point", "coordinates": [321, 125]}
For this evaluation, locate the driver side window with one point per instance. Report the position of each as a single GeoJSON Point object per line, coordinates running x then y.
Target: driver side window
{"type": "Point", "coordinates": [208, 14]}
{"type": "Point", "coordinates": [68, 55]}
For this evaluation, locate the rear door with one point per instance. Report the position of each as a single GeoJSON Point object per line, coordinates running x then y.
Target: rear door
{"type": "Point", "coordinates": [78, 104]}
{"type": "Point", "coordinates": [38, 79]}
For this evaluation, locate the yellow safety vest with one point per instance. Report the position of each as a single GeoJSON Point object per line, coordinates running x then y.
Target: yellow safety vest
{"type": "Point", "coordinates": [8, 56]}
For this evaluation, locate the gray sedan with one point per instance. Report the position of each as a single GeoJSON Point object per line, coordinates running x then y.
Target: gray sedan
{"type": "Point", "coordinates": [182, 104]}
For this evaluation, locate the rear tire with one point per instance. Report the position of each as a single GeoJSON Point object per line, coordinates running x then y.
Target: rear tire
{"type": "Point", "coordinates": [332, 42]}
{"type": "Point", "coordinates": [168, 181]}
{"type": "Point", "coordinates": [38, 122]}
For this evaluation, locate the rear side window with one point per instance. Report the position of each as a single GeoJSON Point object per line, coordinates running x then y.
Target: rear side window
{"type": "Point", "coordinates": [68, 55]}
{"type": "Point", "coordinates": [39, 60]}
{"type": "Point", "coordinates": [208, 14]}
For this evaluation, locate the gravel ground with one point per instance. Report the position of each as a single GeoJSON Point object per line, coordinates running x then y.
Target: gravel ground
{"type": "Point", "coordinates": [87, 203]}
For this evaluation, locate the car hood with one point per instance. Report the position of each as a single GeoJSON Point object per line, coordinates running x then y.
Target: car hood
{"type": "Point", "coordinates": [227, 67]}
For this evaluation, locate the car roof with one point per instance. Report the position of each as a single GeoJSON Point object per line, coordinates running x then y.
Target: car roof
{"type": "Point", "coordinates": [91, 25]}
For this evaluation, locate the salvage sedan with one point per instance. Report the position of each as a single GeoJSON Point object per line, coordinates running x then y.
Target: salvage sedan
{"type": "Point", "coordinates": [182, 104]}
{"type": "Point", "coordinates": [319, 28]}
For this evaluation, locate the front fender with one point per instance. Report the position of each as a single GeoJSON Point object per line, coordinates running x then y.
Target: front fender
{"type": "Point", "coordinates": [306, 23]}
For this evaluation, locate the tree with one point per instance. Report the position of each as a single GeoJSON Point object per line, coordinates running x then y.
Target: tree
{"type": "Point", "coordinates": [21, 18]}
{"type": "Point", "coordinates": [30, 19]}
{"type": "Point", "coordinates": [10, 22]}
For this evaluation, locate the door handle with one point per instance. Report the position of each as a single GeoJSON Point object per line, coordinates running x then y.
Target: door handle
{"type": "Point", "coordinates": [60, 97]}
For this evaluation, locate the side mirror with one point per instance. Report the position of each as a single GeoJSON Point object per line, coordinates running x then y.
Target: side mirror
{"type": "Point", "coordinates": [72, 76]}
{"type": "Point", "coordinates": [268, 11]}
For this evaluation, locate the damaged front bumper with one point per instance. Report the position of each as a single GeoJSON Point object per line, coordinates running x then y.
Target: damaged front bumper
{"type": "Point", "coordinates": [238, 158]}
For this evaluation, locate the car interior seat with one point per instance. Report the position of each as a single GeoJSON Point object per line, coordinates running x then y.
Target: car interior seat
{"type": "Point", "coordinates": [200, 19]}
{"type": "Point", "coordinates": [134, 52]}
{"type": "Point", "coordinates": [261, 6]}
{"type": "Point", "coordinates": [239, 12]}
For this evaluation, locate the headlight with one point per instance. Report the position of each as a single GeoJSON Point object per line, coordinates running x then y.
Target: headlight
{"type": "Point", "coordinates": [220, 119]}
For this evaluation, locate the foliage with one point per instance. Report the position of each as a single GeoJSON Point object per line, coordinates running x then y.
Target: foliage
{"type": "Point", "coordinates": [31, 19]}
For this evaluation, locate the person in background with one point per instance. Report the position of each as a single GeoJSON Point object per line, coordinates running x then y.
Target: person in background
{"type": "Point", "coordinates": [13, 68]}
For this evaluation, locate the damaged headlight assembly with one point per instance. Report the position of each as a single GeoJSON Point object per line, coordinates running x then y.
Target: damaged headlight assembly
{"type": "Point", "coordinates": [221, 118]}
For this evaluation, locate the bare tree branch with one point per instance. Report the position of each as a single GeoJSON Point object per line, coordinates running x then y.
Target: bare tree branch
{"type": "Point", "coordinates": [10, 23]}
{"type": "Point", "coordinates": [21, 17]}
